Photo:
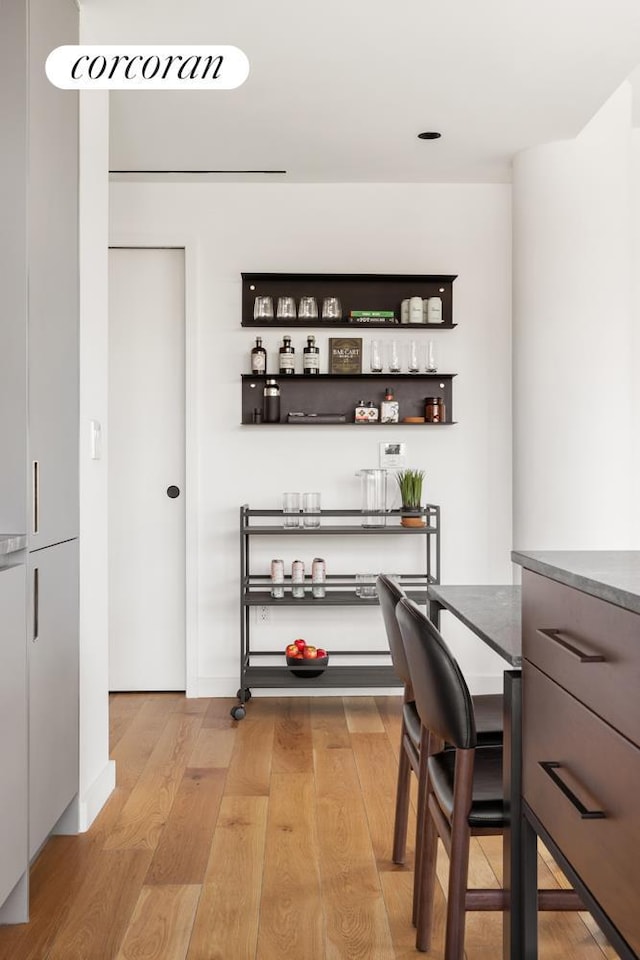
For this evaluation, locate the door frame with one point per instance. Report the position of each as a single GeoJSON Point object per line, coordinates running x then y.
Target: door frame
{"type": "Point", "coordinates": [189, 245]}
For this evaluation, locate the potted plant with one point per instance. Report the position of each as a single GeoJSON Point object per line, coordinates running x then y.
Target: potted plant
{"type": "Point", "coordinates": [410, 483]}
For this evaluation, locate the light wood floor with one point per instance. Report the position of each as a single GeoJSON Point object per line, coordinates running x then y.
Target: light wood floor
{"type": "Point", "coordinates": [266, 839]}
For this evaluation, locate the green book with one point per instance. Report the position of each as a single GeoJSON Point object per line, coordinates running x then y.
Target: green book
{"type": "Point", "coordinates": [371, 313]}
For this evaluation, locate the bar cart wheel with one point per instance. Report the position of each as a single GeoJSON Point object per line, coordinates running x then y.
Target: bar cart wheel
{"type": "Point", "coordinates": [238, 713]}
{"type": "Point", "coordinates": [243, 695]}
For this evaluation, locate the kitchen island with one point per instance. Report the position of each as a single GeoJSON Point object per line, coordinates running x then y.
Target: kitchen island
{"type": "Point", "coordinates": [581, 733]}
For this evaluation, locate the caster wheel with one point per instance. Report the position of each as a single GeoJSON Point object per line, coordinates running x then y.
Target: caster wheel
{"type": "Point", "coordinates": [244, 695]}
{"type": "Point", "coordinates": [238, 713]}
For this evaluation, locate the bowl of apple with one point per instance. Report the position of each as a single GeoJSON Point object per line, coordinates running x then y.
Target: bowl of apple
{"type": "Point", "coordinates": [305, 660]}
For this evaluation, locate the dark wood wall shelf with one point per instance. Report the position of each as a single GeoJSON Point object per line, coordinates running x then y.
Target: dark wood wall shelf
{"type": "Point", "coordinates": [356, 291]}
{"type": "Point", "coordinates": [340, 393]}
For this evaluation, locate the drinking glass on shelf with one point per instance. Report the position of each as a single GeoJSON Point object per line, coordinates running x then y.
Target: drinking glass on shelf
{"type": "Point", "coordinates": [263, 308]}
{"type": "Point", "coordinates": [431, 365]}
{"type": "Point", "coordinates": [291, 509]}
{"type": "Point", "coordinates": [286, 309]}
{"type": "Point", "coordinates": [413, 365]}
{"type": "Point", "coordinates": [393, 357]}
{"type": "Point", "coordinates": [331, 309]}
{"type": "Point", "coordinates": [310, 507]}
{"type": "Point", "coordinates": [375, 357]}
{"type": "Point", "coordinates": [308, 308]}
{"type": "Point", "coordinates": [365, 585]}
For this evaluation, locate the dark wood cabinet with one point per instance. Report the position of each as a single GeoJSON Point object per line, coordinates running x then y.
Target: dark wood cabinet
{"type": "Point", "coordinates": [581, 756]}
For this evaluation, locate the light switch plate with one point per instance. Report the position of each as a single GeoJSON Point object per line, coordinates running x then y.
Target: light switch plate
{"type": "Point", "coordinates": [96, 439]}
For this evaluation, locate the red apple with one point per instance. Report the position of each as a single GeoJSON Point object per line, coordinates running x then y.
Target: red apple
{"type": "Point", "coordinates": [300, 644]}
{"type": "Point", "coordinates": [309, 653]}
{"type": "Point", "coordinates": [320, 652]}
{"type": "Point", "coordinates": [292, 650]}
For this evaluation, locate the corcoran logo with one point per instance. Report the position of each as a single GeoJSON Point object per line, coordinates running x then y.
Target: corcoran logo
{"type": "Point", "coordinates": [166, 67]}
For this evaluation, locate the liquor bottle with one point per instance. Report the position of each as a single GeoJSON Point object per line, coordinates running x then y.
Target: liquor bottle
{"type": "Point", "coordinates": [389, 408]}
{"type": "Point", "coordinates": [311, 358]}
{"type": "Point", "coordinates": [258, 358]}
{"type": "Point", "coordinates": [287, 357]}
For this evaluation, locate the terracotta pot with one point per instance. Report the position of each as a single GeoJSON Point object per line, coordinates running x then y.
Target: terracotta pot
{"type": "Point", "coordinates": [412, 517]}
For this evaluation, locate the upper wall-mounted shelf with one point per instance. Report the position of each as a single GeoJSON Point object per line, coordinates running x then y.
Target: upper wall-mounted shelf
{"type": "Point", "coordinates": [356, 291]}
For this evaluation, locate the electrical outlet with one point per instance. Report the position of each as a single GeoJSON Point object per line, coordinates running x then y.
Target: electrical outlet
{"type": "Point", "coordinates": [263, 614]}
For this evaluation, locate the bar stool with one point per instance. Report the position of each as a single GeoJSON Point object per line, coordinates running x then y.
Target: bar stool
{"type": "Point", "coordinates": [460, 788]}
{"type": "Point", "coordinates": [487, 707]}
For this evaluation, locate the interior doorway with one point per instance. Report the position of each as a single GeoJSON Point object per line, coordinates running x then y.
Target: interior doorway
{"type": "Point", "coordinates": [147, 502]}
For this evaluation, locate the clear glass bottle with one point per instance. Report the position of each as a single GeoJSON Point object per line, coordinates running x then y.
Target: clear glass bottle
{"type": "Point", "coordinates": [311, 358]}
{"type": "Point", "coordinates": [258, 358]}
{"type": "Point", "coordinates": [287, 358]}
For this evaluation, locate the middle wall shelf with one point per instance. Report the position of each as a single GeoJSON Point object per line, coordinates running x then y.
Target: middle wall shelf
{"type": "Point", "coordinates": [340, 393]}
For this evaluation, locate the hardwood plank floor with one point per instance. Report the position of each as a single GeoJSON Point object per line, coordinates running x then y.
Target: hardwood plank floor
{"type": "Point", "coordinates": [259, 840]}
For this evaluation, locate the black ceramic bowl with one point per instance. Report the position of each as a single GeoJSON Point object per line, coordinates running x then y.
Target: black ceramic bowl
{"type": "Point", "coordinates": [308, 669]}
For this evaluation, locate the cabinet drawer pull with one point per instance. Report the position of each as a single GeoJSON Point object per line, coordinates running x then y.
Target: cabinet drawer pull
{"type": "Point", "coordinates": [35, 494]}
{"type": "Point", "coordinates": [36, 604]}
{"type": "Point", "coordinates": [550, 767]}
{"type": "Point", "coordinates": [580, 655]}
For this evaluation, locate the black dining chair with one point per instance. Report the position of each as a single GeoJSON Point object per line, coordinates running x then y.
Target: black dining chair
{"type": "Point", "coordinates": [487, 707]}
{"type": "Point", "coordinates": [460, 787]}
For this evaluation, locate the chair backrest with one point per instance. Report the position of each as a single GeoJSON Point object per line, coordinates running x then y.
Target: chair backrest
{"type": "Point", "coordinates": [390, 595]}
{"type": "Point", "coordinates": [442, 697]}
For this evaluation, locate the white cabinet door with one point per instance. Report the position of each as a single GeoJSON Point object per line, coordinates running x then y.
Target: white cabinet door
{"type": "Point", "coordinates": [53, 281]}
{"type": "Point", "coordinates": [13, 729]}
{"type": "Point", "coordinates": [52, 643]}
{"type": "Point", "coordinates": [13, 269]}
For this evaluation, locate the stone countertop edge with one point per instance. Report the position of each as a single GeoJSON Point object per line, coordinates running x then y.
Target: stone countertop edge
{"type": "Point", "coordinates": [11, 543]}
{"type": "Point", "coordinates": [611, 575]}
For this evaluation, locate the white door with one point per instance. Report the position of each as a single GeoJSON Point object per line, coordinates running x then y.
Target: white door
{"type": "Point", "coordinates": [146, 450]}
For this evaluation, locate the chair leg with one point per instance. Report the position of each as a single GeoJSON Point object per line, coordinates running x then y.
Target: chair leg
{"type": "Point", "coordinates": [421, 821]}
{"type": "Point", "coordinates": [459, 860]}
{"type": "Point", "coordinates": [427, 883]}
{"type": "Point", "coordinates": [402, 803]}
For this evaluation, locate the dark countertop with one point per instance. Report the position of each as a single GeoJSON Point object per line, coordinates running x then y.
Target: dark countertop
{"type": "Point", "coordinates": [492, 612]}
{"type": "Point", "coordinates": [612, 575]}
{"type": "Point", "coordinates": [10, 542]}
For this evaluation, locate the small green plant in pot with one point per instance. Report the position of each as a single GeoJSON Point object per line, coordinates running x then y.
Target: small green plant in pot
{"type": "Point", "coordinates": [410, 483]}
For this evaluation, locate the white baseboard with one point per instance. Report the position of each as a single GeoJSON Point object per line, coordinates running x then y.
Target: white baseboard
{"type": "Point", "coordinates": [94, 799]}
{"type": "Point", "coordinates": [228, 687]}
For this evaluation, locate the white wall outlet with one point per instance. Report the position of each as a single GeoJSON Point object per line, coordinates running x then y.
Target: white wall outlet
{"type": "Point", "coordinates": [263, 614]}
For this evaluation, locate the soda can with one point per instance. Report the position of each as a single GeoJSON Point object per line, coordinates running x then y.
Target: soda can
{"type": "Point", "coordinates": [318, 578]}
{"type": "Point", "coordinates": [297, 579]}
{"type": "Point", "coordinates": [277, 579]}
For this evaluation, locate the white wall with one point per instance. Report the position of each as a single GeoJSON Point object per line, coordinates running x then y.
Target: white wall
{"type": "Point", "coordinates": [635, 346]}
{"type": "Point", "coordinates": [461, 229]}
{"type": "Point", "coordinates": [97, 773]}
{"type": "Point", "coordinates": [572, 362]}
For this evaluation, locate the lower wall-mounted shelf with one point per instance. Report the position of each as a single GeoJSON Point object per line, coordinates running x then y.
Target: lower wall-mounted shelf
{"type": "Point", "coordinates": [340, 394]}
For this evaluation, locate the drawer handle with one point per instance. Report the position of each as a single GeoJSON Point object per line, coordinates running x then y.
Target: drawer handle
{"type": "Point", "coordinates": [583, 657]}
{"type": "Point", "coordinates": [550, 767]}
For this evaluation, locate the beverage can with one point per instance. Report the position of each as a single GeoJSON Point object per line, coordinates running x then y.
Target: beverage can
{"type": "Point", "coordinates": [277, 579]}
{"type": "Point", "coordinates": [318, 577]}
{"type": "Point", "coordinates": [297, 579]}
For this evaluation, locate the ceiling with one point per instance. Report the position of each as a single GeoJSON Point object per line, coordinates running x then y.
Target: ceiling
{"type": "Point", "coordinates": [339, 89]}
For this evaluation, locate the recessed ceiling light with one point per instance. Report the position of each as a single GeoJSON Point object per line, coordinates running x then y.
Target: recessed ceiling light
{"type": "Point", "coordinates": [429, 135]}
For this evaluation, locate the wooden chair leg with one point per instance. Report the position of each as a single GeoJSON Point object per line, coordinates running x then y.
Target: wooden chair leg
{"type": "Point", "coordinates": [427, 884]}
{"type": "Point", "coordinates": [459, 859]}
{"type": "Point", "coordinates": [403, 793]}
{"type": "Point", "coordinates": [422, 816]}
